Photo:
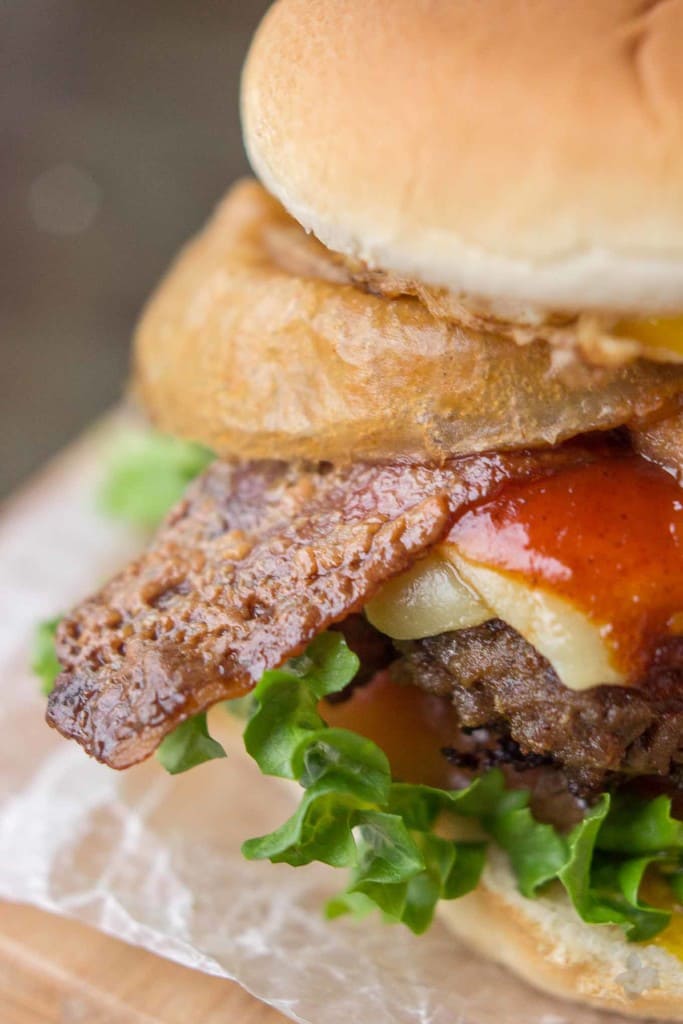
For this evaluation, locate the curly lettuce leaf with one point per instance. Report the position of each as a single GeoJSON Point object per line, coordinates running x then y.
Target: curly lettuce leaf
{"type": "Point", "coordinates": [605, 888]}
{"type": "Point", "coordinates": [351, 814]}
{"type": "Point", "coordinates": [280, 728]}
{"type": "Point", "coordinates": [634, 835]}
{"type": "Point", "coordinates": [354, 815]}
{"type": "Point", "coordinates": [616, 889]}
{"type": "Point", "coordinates": [188, 745]}
{"type": "Point", "coordinates": [147, 475]}
{"type": "Point", "coordinates": [387, 834]}
{"type": "Point", "coordinates": [239, 707]}
{"type": "Point", "coordinates": [641, 827]}
{"type": "Point", "coordinates": [44, 662]}
{"type": "Point", "coordinates": [537, 852]}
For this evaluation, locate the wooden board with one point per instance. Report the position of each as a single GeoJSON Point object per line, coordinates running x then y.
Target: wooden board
{"type": "Point", "coordinates": [54, 971]}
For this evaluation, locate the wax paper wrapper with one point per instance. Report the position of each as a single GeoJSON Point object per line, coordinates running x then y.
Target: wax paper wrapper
{"type": "Point", "coordinates": [155, 860]}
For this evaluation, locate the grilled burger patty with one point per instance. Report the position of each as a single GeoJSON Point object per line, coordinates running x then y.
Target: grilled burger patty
{"type": "Point", "coordinates": [498, 681]}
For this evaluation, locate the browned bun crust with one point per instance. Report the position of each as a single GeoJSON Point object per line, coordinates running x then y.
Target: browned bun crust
{"type": "Point", "coordinates": [527, 152]}
{"type": "Point", "coordinates": [258, 345]}
{"type": "Point", "coordinates": [544, 942]}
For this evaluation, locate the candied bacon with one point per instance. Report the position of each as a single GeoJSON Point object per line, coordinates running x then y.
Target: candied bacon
{"type": "Point", "coordinates": [255, 561]}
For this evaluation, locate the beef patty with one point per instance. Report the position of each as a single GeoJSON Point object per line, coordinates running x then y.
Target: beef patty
{"type": "Point", "coordinates": [599, 736]}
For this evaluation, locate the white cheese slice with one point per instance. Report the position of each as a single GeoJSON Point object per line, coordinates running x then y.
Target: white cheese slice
{"type": "Point", "coordinates": [428, 599]}
{"type": "Point", "coordinates": [445, 591]}
{"type": "Point", "coordinates": [556, 628]}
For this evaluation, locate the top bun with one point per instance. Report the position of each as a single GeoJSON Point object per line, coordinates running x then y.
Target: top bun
{"type": "Point", "coordinates": [529, 152]}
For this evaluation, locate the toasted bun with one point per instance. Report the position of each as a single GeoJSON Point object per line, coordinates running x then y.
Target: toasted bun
{"type": "Point", "coordinates": [529, 152]}
{"type": "Point", "coordinates": [258, 345]}
{"type": "Point", "coordinates": [544, 941]}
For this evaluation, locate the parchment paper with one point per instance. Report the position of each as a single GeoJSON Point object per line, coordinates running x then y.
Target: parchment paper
{"type": "Point", "coordinates": [155, 860]}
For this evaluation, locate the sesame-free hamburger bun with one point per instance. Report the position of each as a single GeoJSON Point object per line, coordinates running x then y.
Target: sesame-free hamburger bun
{"type": "Point", "coordinates": [525, 152]}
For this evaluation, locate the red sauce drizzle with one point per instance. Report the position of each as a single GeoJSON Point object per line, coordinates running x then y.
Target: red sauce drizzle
{"type": "Point", "coordinates": [607, 535]}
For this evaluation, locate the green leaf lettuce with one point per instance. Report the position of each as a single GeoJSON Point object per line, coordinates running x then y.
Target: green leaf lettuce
{"type": "Point", "coordinates": [353, 814]}
{"type": "Point", "coordinates": [44, 663]}
{"type": "Point", "coordinates": [147, 475]}
{"type": "Point", "coordinates": [188, 745]}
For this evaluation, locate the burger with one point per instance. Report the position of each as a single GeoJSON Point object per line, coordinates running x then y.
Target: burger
{"type": "Point", "coordinates": [437, 352]}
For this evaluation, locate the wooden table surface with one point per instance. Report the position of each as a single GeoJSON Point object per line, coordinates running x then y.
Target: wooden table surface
{"type": "Point", "coordinates": [54, 971]}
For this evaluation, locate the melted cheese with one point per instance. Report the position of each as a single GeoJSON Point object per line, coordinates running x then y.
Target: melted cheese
{"type": "Point", "coordinates": [559, 631]}
{"type": "Point", "coordinates": [429, 599]}
{"type": "Point", "coordinates": [663, 335]}
{"type": "Point", "coordinates": [447, 592]}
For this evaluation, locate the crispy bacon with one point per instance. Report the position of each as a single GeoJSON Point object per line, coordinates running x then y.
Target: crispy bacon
{"type": "Point", "coordinates": [254, 562]}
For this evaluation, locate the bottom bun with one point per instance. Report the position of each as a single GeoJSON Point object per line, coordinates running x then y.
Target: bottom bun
{"type": "Point", "coordinates": [544, 941]}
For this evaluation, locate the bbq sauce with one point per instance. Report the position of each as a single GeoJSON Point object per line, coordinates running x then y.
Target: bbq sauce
{"type": "Point", "coordinates": [606, 535]}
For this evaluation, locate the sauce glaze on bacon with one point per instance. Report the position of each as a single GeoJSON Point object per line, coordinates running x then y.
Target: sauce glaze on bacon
{"type": "Point", "coordinates": [255, 561]}
{"type": "Point", "coordinates": [608, 537]}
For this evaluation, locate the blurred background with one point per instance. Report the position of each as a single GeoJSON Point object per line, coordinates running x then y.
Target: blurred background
{"type": "Point", "coordinates": [120, 131]}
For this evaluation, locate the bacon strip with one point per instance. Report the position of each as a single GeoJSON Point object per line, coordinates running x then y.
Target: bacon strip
{"type": "Point", "coordinates": [255, 561]}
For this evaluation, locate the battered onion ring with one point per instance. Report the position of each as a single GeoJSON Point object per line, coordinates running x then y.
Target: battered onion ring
{"type": "Point", "coordinates": [663, 443]}
{"type": "Point", "coordinates": [259, 345]}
